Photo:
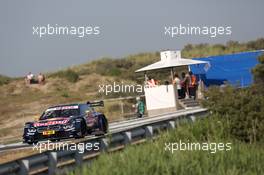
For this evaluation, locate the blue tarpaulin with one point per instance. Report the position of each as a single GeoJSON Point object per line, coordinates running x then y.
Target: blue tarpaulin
{"type": "Point", "coordinates": [234, 69]}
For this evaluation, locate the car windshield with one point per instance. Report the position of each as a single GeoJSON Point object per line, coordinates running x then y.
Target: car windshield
{"type": "Point", "coordinates": [60, 112]}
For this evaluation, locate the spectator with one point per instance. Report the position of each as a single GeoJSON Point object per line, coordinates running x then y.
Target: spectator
{"type": "Point", "coordinates": [184, 86]}
{"type": "Point", "coordinates": [151, 82]}
{"type": "Point", "coordinates": [192, 85]}
{"type": "Point", "coordinates": [187, 84]}
{"type": "Point", "coordinates": [140, 107]}
{"type": "Point", "coordinates": [29, 78]}
{"type": "Point", "coordinates": [177, 81]}
{"type": "Point", "coordinates": [41, 78]}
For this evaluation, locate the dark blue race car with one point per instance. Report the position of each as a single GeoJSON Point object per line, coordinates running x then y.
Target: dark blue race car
{"type": "Point", "coordinates": [67, 121]}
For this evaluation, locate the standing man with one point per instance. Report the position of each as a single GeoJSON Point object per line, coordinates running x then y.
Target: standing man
{"type": "Point", "coordinates": [140, 107]}
{"type": "Point", "coordinates": [193, 85]}
{"type": "Point", "coordinates": [185, 85]}
{"type": "Point", "coordinates": [41, 78]}
{"type": "Point", "coordinates": [29, 78]}
{"type": "Point", "coordinates": [177, 81]}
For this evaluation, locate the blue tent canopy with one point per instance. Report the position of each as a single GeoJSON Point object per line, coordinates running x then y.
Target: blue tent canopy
{"type": "Point", "coordinates": [233, 68]}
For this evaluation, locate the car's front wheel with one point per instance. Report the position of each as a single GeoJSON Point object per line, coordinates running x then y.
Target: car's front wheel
{"type": "Point", "coordinates": [81, 132]}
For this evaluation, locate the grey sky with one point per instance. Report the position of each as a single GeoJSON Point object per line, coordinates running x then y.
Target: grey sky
{"type": "Point", "coordinates": [127, 27]}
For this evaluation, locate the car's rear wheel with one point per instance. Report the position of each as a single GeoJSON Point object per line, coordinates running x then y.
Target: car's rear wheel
{"type": "Point", "coordinates": [103, 124]}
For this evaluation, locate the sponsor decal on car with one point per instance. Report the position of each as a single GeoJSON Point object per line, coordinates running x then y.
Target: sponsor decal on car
{"type": "Point", "coordinates": [62, 108]}
{"type": "Point", "coordinates": [51, 123]}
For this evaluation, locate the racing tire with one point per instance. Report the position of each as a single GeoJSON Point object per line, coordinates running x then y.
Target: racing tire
{"type": "Point", "coordinates": [103, 125]}
{"type": "Point", "coordinates": [82, 130]}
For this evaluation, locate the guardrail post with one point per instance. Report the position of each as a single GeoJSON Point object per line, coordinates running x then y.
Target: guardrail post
{"type": "Point", "coordinates": [177, 122]}
{"type": "Point", "coordinates": [128, 138]}
{"type": "Point", "coordinates": [192, 117]}
{"type": "Point", "coordinates": [149, 131]}
{"type": "Point", "coordinates": [171, 124]}
{"type": "Point", "coordinates": [52, 163]}
{"type": "Point", "coordinates": [24, 167]}
{"type": "Point", "coordinates": [104, 144]}
{"type": "Point", "coordinates": [78, 156]}
{"type": "Point", "coordinates": [183, 119]}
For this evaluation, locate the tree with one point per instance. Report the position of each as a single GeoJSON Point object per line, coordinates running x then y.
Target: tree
{"type": "Point", "coordinates": [258, 71]}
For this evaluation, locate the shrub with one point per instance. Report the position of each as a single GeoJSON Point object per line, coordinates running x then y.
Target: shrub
{"type": "Point", "coordinates": [114, 72]}
{"type": "Point", "coordinates": [69, 75]}
{"type": "Point", "coordinates": [65, 95]}
{"type": "Point", "coordinates": [242, 109]}
{"type": "Point", "coordinates": [123, 68]}
{"type": "Point", "coordinates": [204, 50]}
{"type": "Point", "coordinates": [258, 71]}
{"type": "Point", "coordinates": [4, 80]}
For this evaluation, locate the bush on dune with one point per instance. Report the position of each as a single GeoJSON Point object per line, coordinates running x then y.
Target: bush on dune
{"type": "Point", "coordinates": [4, 80]}
{"type": "Point", "coordinates": [205, 50]}
{"type": "Point", "coordinates": [68, 74]}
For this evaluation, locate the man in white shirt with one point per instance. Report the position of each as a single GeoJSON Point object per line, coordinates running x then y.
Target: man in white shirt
{"type": "Point", "coordinates": [177, 81]}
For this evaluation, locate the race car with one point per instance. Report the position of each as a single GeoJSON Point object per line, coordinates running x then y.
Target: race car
{"type": "Point", "coordinates": [67, 121]}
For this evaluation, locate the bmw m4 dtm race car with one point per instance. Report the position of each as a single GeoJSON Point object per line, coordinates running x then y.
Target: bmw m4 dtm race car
{"type": "Point", "coordinates": [66, 121]}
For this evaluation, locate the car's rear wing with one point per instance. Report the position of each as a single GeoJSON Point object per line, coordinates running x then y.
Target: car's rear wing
{"type": "Point", "coordinates": [96, 103]}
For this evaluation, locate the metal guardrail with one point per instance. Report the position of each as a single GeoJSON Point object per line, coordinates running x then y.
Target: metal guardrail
{"type": "Point", "coordinates": [56, 161]}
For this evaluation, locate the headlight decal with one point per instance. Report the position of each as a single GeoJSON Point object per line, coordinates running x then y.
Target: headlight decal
{"type": "Point", "coordinates": [69, 127]}
{"type": "Point", "coordinates": [32, 130]}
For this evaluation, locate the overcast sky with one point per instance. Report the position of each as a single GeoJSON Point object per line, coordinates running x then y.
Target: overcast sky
{"type": "Point", "coordinates": [126, 27]}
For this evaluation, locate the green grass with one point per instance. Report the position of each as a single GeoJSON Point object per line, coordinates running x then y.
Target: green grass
{"type": "Point", "coordinates": [4, 80]}
{"type": "Point", "coordinates": [204, 49]}
{"type": "Point", "coordinates": [68, 74]}
{"type": "Point", "coordinates": [151, 157]}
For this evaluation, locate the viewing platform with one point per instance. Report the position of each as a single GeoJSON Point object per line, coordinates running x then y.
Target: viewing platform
{"type": "Point", "coordinates": [163, 97]}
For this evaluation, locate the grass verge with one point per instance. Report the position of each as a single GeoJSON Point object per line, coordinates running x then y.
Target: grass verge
{"type": "Point", "coordinates": [152, 158]}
